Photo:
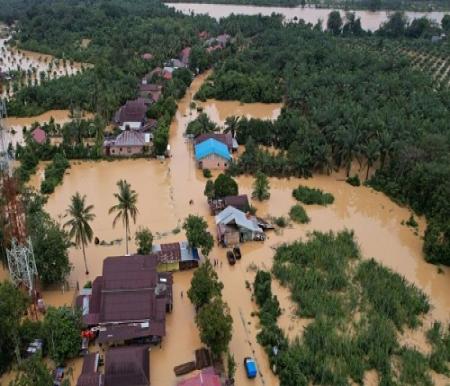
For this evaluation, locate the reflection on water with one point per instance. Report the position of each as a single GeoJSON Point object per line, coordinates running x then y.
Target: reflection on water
{"type": "Point", "coordinates": [165, 189]}
{"type": "Point", "coordinates": [369, 20]}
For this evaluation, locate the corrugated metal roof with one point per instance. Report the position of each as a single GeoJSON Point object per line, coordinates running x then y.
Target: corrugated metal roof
{"type": "Point", "coordinates": [130, 138]}
{"type": "Point", "coordinates": [232, 215]}
{"type": "Point", "coordinates": [211, 146]}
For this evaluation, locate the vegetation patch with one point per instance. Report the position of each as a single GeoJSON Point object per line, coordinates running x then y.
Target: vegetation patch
{"type": "Point", "coordinates": [330, 283]}
{"type": "Point", "coordinates": [353, 180]}
{"type": "Point", "coordinates": [298, 214]}
{"type": "Point", "coordinates": [311, 196]}
{"type": "Point", "coordinates": [54, 173]}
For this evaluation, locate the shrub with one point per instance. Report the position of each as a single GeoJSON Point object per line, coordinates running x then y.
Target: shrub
{"type": "Point", "coordinates": [281, 222]}
{"type": "Point", "coordinates": [207, 173]}
{"type": "Point", "coordinates": [298, 214]}
{"type": "Point", "coordinates": [311, 196]}
{"type": "Point", "coordinates": [144, 240]}
{"type": "Point", "coordinates": [353, 181]}
{"type": "Point", "coordinates": [412, 222]}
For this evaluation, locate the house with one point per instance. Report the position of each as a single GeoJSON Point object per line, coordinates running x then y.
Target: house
{"type": "Point", "coordinates": [90, 374]}
{"type": "Point", "coordinates": [167, 73]}
{"type": "Point", "coordinates": [234, 226]}
{"type": "Point", "coordinates": [124, 366]}
{"type": "Point", "coordinates": [223, 40]}
{"type": "Point", "coordinates": [178, 256]}
{"type": "Point", "coordinates": [151, 91]}
{"type": "Point", "coordinates": [185, 55]}
{"type": "Point", "coordinates": [128, 143]}
{"type": "Point", "coordinates": [128, 303]}
{"type": "Point", "coordinates": [205, 377]}
{"type": "Point", "coordinates": [212, 154]}
{"type": "Point", "coordinates": [131, 115]}
{"type": "Point", "coordinates": [225, 138]}
{"type": "Point", "coordinates": [127, 366]}
{"type": "Point", "coordinates": [39, 135]}
{"type": "Point", "coordinates": [239, 202]}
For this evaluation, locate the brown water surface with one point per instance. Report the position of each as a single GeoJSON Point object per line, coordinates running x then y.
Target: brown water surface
{"type": "Point", "coordinates": [165, 189]}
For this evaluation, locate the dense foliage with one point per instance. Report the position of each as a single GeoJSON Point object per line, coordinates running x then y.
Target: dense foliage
{"type": "Point", "coordinates": [197, 234]}
{"type": "Point", "coordinates": [54, 173]}
{"type": "Point", "coordinates": [61, 328]}
{"type": "Point", "coordinates": [311, 196]}
{"type": "Point", "coordinates": [298, 214]}
{"type": "Point", "coordinates": [144, 240]}
{"type": "Point", "coordinates": [336, 347]}
{"type": "Point", "coordinates": [205, 285]}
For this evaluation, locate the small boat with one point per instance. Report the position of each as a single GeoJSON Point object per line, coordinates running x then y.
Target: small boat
{"type": "Point", "coordinates": [231, 258]}
{"type": "Point", "coordinates": [237, 253]}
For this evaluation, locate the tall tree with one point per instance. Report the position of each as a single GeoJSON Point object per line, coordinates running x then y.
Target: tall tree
{"type": "Point", "coordinates": [205, 285]}
{"type": "Point", "coordinates": [261, 187]}
{"type": "Point", "coordinates": [334, 23]}
{"type": "Point", "coordinates": [80, 229]}
{"type": "Point", "coordinates": [215, 325]}
{"type": "Point", "coordinates": [197, 234]}
{"type": "Point", "coordinates": [231, 125]}
{"type": "Point", "coordinates": [371, 152]}
{"type": "Point", "coordinates": [126, 208]}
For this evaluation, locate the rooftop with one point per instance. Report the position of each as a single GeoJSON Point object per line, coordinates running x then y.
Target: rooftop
{"type": "Point", "coordinates": [233, 216]}
{"type": "Point", "coordinates": [211, 146]}
{"type": "Point", "coordinates": [131, 111]}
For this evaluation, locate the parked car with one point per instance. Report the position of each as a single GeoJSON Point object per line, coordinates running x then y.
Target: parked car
{"type": "Point", "coordinates": [237, 253]}
{"type": "Point", "coordinates": [58, 376]}
{"type": "Point", "coordinates": [231, 258]}
{"type": "Point", "coordinates": [250, 367]}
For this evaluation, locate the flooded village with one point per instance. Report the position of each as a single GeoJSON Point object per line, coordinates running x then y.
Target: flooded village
{"type": "Point", "coordinates": [171, 188]}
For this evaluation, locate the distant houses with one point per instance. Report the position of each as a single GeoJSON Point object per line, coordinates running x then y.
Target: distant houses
{"type": "Point", "coordinates": [217, 43]}
{"type": "Point", "coordinates": [131, 115]}
{"type": "Point", "coordinates": [212, 154]}
{"type": "Point", "coordinates": [39, 135]}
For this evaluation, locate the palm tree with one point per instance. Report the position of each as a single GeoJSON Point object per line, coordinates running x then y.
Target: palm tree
{"type": "Point", "coordinates": [80, 217]}
{"type": "Point", "coordinates": [231, 125]}
{"type": "Point", "coordinates": [126, 207]}
{"type": "Point", "coordinates": [372, 153]}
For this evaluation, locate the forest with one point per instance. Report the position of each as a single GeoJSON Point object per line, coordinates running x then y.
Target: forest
{"type": "Point", "coordinates": [395, 121]}
{"type": "Point", "coordinates": [372, 5]}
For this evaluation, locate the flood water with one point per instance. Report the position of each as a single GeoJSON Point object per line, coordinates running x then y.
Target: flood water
{"type": "Point", "coordinates": [369, 20]}
{"type": "Point", "coordinates": [164, 190]}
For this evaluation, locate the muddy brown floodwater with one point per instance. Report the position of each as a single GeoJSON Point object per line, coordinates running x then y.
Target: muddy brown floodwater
{"type": "Point", "coordinates": [165, 189]}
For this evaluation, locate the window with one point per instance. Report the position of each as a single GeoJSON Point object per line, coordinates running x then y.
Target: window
{"type": "Point", "coordinates": [225, 164]}
{"type": "Point", "coordinates": [120, 149]}
{"type": "Point", "coordinates": [218, 164]}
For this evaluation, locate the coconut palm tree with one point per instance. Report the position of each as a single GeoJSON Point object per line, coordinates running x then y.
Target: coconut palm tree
{"type": "Point", "coordinates": [231, 125]}
{"type": "Point", "coordinates": [125, 208]}
{"type": "Point", "coordinates": [80, 217]}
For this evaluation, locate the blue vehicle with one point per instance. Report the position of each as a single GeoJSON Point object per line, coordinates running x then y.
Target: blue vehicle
{"type": "Point", "coordinates": [250, 367]}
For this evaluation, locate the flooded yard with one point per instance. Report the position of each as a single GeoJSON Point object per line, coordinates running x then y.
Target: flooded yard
{"type": "Point", "coordinates": [164, 190]}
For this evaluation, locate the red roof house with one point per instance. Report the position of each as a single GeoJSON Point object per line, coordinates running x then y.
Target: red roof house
{"type": "Point", "coordinates": [207, 377]}
{"type": "Point", "coordinates": [147, 56]}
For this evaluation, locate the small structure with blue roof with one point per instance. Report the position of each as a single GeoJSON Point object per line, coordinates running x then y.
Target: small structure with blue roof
{"type": "Point", "coordinates": [212, 154]}
{"type": "Point", "coordinates": [250, 367]}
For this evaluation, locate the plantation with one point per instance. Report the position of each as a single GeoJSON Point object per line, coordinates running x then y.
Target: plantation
{"type": "Point", "coordinates": [358, 306]}
{"type": "Point", "coordinates": [310, 196]}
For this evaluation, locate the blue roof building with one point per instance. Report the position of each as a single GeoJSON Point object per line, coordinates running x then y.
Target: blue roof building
{"type": "Point", "coordinates": [211, 146]}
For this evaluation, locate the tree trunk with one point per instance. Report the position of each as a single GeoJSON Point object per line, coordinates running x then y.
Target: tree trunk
{"type": "Point", "coordinates": [367, 173]}
{"type": "Point", "coordinates": [84, 257]}
{"type": "Point", "coordinates": [126, 236]}
{"type": "Point", "coordinates": [349, 165]}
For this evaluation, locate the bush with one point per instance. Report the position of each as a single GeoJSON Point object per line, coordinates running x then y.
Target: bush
{"type": "Point", "coordinates": [412, 222]}
{"type": "Point", "coordinates": [281, 222]}
{"type": "Point", "coordinates": [207, 173]}
{"type": "Point", "coordinates": [298, 214]}
{"type": "Point", "coordinates": [144, 240]}
{"type": "Point", "coordinates": [311, 196]}
{"type": "Point", "coordinates": [353, 181]}
{"type": "Point", "coordinates": [54, 173]}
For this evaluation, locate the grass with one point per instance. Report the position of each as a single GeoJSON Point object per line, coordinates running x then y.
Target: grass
{"type": "Point", "coordinates": [298, 214]}
{"type": "Point", "coordinates": [311, 196]}
{"type": "Point", "coordinates": [331, 283]}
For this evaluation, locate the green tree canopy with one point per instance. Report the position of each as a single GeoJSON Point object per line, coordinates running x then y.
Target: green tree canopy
{"type": "Point", "coordinates": [61, 329]}
{"type": "Point", "coordinates": [34, 372]}
{"type": "Point", "coordinates": [224, 185]}
{"type": "Point", "coordinates": [215, 325]}
{"type": "Point", "coordinates": [334, 23]}
{"type": "Point", "coordinates": [205, 285]}
{"type": "Point", "coordinates": [144, 240]}
{"type": "Point", "coordinates": [197, 234]}
{"type": "Point", "coordinates": [261, 187]}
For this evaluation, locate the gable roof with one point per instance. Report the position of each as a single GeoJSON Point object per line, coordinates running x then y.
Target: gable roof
{"type": "Point", "coordinates": [225, 138]}
{"type": "Point", "coordinates": [211, 146]}
{"type": "Point", "coordinates": [206, 377]}
{"type": "Point", "coordinates": [231, 215]}
{"type": "Point", "coordinates": [132, 111]}
{"type": "Point", "coordinates": [127, 366]}
{"type": "Point", "coordinates": [129, 138]}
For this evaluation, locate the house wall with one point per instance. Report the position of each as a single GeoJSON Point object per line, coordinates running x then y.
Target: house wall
{"type": "Point", "coordinates": [125, 151]}
{"type": "Point", "coordinates": [131, 125]}
{"type": "Point", "coordinates": [231, 238]}
{"type": "Point", "coordinates": [213, 162]}
{"type": "Point", "coordinates": [168, 267]}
